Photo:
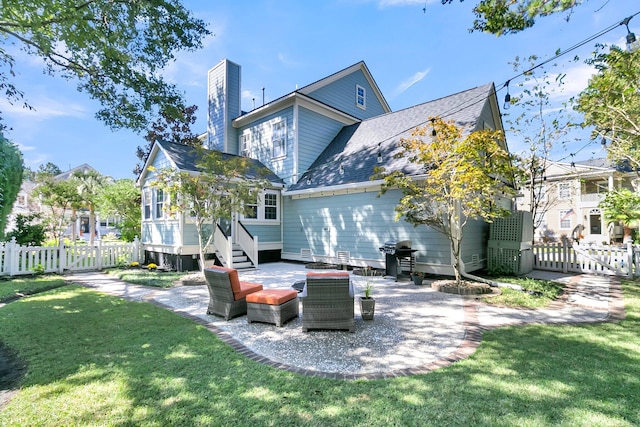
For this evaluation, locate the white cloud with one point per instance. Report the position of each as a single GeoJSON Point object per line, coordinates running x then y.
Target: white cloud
{"type": "Point", "coordinates": [43, 108]}
{"type": "Point", "coordinates": [402, 87]}
{"type": "Point", "coordinates": [24, 148]}
{"type": "Point", "coordinates": [286, 61]}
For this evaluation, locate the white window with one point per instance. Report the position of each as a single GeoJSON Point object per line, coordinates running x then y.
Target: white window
{"type": "Point", "coordinates": [251, 212]}
{"type": "Point", "coordinates": [361, 97]}
{"type": "Point", "coordinates": [245, 143]}
{"type": "Point", "coordinates": [270, 206]}
{"type": "Point", "coordinates": [279, 139]}
{"type": "Point", "coordinates": [565, 218]}
{"type": "Point", "coordinates": [146, 198]}
{"type": "Point", "coordinates": [564, 191]}
{"type": "Point", "coordinates": [159, 203]}
{"type": "Point", "coordinates": [21, 201]}
{"type": "Point", "coordinates": [540, 193]}
{"type": "Point", "coordinates": [268, 209]}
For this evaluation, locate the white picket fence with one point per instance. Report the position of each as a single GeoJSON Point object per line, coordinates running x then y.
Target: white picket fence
{"type": "Point", "coordinates": [18, 260]}
{"type": "Point", "coordinates": [615, 260]}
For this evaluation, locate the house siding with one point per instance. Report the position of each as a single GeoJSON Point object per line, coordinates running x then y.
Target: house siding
{"type": "Point", "coordinates": [341, 94]}
{"type": "Point", "coordinates": [315, 132]}
{"type": "Point", "coordinates": [359, 223]}
{"type": "Point", "coordinates": [261, 147]}
{"type": "Point", "coordinates": [265, 233]}
{"type": "Point", "coordinates": [161, 233]}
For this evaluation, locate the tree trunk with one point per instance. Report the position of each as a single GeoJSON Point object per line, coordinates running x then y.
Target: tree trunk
{"type": "Point", "coordinates": [74, 231]}
{"type": "Point", "coordinates": [92, 225]}
{"type": "Point", "coordinates": [455, 250]}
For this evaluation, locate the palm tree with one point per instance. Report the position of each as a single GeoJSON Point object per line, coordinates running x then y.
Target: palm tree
{"type": "Point", "coordinates": [90, 184]}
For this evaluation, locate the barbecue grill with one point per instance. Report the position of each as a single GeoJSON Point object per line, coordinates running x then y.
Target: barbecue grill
{"type": "Point", "coordinates": [394, 252]}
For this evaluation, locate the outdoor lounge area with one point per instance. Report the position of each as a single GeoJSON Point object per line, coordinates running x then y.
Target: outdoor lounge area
{"type": "Point", "coordinates": [412, 326]}
{"type": "Point", "coordinates": [415, 328]}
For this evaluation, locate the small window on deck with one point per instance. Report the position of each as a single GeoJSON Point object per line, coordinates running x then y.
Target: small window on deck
{"type": "Point", "coordinates": [159, 203]}
{"type": "Point", "coordinates": [147, 204]}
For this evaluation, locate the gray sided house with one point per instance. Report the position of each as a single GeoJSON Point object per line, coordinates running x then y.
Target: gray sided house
{"type": "Point", "coordinates": [323, 142]}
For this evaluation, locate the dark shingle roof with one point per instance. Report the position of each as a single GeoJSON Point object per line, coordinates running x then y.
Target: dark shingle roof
{"type": "Point", "coordinates": [186, 158]}
{"type": "Point", "coordinates": [356, 147]}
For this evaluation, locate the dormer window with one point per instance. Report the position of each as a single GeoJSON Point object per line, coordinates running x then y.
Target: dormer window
{"type": "Point", "coordinates": [361, 97]}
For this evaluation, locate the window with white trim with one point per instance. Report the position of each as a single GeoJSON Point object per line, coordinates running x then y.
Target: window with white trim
{"type": "Point", "coordinates": [267, 209]}
{"type": "Point", "coordinates": [565, 218]}
{"type": "Point", "coordinates": [361, 97]}
{"type": "Point", "coordinates": [271, 206]}
{"type": "Point", "coordinates": [245, 143]}
{"type": "Point", "coordinates": [279, 139]}
{"type": "Point", "coordinates": [540, 193]}
{"type": "Point", "coordinates": [159, 203]}
{"type": "Point", "coordinates": [146, 198]}
{"type": "Point", "coordinates": [564, 190]}
{"type": "Point", "coordinates": [251, 212]}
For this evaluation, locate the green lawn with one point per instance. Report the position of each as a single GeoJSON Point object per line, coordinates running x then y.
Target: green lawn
{"type": "Point", "coordinates": [27, 285]}
{"type": "Point", "coordinates": [95, 360]}
{"type": "Point", "coordinates": [140, 276]}
{"type": "Point", "coordinates": [535, 293]}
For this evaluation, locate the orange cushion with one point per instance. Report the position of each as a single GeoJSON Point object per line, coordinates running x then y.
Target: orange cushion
{"type": "Point", "coordinates": [272, 296]}
{"type": "Point", "coordinates": [246, 288]}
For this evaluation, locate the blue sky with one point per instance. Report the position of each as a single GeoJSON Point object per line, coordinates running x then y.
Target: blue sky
{"type": "Point", "coordinates": [414, 56]}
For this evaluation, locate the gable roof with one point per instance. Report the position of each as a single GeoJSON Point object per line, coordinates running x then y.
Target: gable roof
{"type": "Point", "coordinates": [359, 66]}
{"type": "Point", "coordinates": [185, 158]}
{"type": "Point", "coordinates": [303, 94]}
{"type": "Point", "coordinates": [66, 175]}
{"type": "Point", "coordinates": [355, 149]}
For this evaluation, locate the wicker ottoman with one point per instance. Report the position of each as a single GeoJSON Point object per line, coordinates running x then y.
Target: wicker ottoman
{"type": "Point", "coordinates": [272, 306]}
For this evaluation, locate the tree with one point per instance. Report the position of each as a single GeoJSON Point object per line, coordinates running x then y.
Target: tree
{"type": "Point", "coordinates": [49, 169]}
{"type": "Point", "coordinates": [225, 185]}
{"type": "Point", "coordinates": [29, 230]}
{"type": "Point", "coordinates": [59, 197]}
{"type": "Point", "coordinates": [89, 184]}
{"type": "Point", "coordinates": [501, 17]}
{"type": "Point", "coordinates": [611, 103]}
{"type": "Point", "coordinates": [114, 48]}
{"type": "Point", "coordinates": [539, 126]}
{"type": "Point", "coordinates": [122, 198]}
{"type": "Point", "coordinates": [172, 129]}
{"type": "Point", "coordinates": [464, 176]}
{"type": "Point", "coordinates": [11, 168]}
{"type": "Point", "coordinates": [623, 206]}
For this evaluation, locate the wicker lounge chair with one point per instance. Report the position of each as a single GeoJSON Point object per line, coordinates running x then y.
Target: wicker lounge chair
{"type": "Point", "coordinates": [327, 302]}
{"type": "Point", "coordinates": [227, 294]}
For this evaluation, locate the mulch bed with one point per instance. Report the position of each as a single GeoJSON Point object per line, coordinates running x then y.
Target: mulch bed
{"type": "Point", "coordinates": [463, 288]}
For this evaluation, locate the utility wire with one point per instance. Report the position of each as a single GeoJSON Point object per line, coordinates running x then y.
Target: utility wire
{"type": "Point", "coordinates": [457, 109]}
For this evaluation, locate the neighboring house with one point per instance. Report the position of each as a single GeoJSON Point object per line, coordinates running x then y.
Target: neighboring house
{"type": "Point", "coordinates": [571, 193]}
{"type": "Point", "coordinates": [323, 141]}
{"type": "Point", "coordinates": [26, 203]}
